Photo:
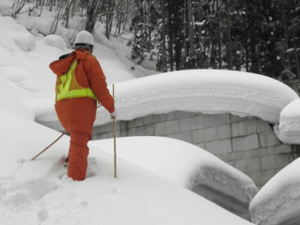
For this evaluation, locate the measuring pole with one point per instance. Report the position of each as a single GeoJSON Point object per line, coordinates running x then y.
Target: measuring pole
{"type": "Point", "coordinates": [115, 144]}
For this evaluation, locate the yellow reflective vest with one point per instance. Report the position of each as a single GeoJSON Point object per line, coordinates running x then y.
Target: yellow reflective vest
{"type": "Point", "coordinates": [67, 86]}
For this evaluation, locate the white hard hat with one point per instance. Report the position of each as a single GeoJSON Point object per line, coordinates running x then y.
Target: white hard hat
{"type": "Point", "coordinates": [84, 37]}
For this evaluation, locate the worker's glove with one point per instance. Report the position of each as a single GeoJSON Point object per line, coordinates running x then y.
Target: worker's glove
{"type": "Point", "coordinates": [113, 115]}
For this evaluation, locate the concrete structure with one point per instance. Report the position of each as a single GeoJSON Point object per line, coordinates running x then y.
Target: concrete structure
{"type": "Point", "coordinates": [249, 143]}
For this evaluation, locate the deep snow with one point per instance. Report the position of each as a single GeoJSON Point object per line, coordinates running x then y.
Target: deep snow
{"type": "Point", "coordinates": [39, 192]}
{"type": "Point", "coordinates": [278, 202]}
{"type": "Point", "coordinates": [188, 166]}
{"type": "Point", "coordinates": [206, 91]}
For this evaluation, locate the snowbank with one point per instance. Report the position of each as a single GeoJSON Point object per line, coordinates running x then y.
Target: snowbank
{"type": "Point", "coordinates": [288, 130]}
{"type": "Point", "coordinates": [38, 192]}
{"type": "Point", "coordinates": [278, 201]}
{"type": "Point", "coordinates": [206, 91]}
{"type": "Point", "coordinates": [182, 163]}
{"type": "Point", "coordinates": [188, 166]}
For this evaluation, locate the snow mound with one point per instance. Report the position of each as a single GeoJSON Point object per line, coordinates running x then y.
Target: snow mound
{"type": "Point", "coordinates": [278, 201]}
{"type": "Point", "coordinates": [188, 166]}
{"type": "Point", "coordinates": [17, 38]}
{"type": "Point", "coordinates": [55, 41]}
{"type": "Point", "coordinates": [14, 99]}
{"type": "Point", "coordinates": [288, 130]}
{"type": "Point", "coordinates": [205, 91]}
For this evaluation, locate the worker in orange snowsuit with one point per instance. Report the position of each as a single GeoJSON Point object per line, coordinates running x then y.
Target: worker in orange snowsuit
{"type": "Point", "coordinates": [80, 84]}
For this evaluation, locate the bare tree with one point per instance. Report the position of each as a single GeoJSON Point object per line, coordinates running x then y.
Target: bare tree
{"type": "Point", "coordinates": [18, 6]}
{"type": "Point", "coordinates": [228, 31]}
{"type": "Point", "coordinates": [57, 18]}
{"type": "Point", "coordinates": [109, 17]}
{"type": "Point", "coordinates": [93, 9]}
{"type": "Point", "coordinates": [191, 28]}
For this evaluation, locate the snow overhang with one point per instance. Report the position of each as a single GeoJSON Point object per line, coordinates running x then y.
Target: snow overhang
{"type": "Point", "coordinates": [205, 91]}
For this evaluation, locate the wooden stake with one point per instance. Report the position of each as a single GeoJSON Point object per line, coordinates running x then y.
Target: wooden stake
{"type": "Point", "coordinates": [115, 147]}
{"type": "Point", "coordinates": [48, 147]}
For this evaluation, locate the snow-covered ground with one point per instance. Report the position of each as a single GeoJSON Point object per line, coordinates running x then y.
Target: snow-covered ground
{"type": "Point", "coordinates": [188, 166]}
{"type": "Point", "coordinates": [38, 192]}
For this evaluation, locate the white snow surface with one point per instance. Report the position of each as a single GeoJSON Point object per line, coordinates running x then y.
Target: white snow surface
{"type": "Point", "coordinates": [288, 130]}
{"type": "Point", "coordinates": [38, 192]}
{"type": "Point", "coordinates": [206, 91]}
{"type": "Point", "coordinates": [203, 167]}
{"type": "Point", "coordinates": [278, 201]}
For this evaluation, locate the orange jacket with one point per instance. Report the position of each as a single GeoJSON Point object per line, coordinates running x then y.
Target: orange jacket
{"type": "Point", "coordinates": [78, 114]}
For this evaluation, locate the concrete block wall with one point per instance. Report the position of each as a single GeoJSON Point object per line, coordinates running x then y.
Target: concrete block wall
{"type": "Point", "coordinates": [249, 143]}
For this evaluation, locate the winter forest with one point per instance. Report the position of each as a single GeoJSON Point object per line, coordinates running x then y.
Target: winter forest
{"type": "Point", "coordinates": [254, 36]}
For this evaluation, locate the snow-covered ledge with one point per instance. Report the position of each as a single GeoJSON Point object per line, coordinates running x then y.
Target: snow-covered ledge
{"type": "Point", "coordinates": [190, 167]}
{"type": "Point", "coordinates": [205, 91]}
{"type": "Point", "coordinates": [288, 130]}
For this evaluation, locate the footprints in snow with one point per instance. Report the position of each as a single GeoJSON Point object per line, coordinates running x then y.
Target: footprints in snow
{"type": "Point", "coordinates": [48, 195]}
{"type": "Point", "coordinates": [28, 191]}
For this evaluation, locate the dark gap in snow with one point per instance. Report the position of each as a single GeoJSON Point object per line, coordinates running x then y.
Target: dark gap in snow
{"type": "Point", "coordinates": [227, 202]}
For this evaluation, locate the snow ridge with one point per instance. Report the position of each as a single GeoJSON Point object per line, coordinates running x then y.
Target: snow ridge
{"type": "Point", "coordinates": [206, 91]}
{"type": "Point", "coordinates": [276, 210]}
{"type": "Point", "coordinates": [223, 182]}
{"type": "Point", "coordinates": [169, 158]}
{"type": "Point", "coordinates": [278, 201]}
{"type": "Point", "coordinates": [224, 190]}
{"type": "Point", "coordinates": [288, 130]}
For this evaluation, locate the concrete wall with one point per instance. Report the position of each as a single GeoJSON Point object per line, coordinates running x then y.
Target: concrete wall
{"type": "Point", "coordinates": [249, 144]}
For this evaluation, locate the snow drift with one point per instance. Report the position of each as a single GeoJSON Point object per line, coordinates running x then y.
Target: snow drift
{"type": "Point", "coordinates": [288, 130]}
{"type": "Point", "coordinates": [188, 166]}
{"type": "Point", "coordinates": [278, 201]}
{"type": "Point", "coordinates": [206, 91]}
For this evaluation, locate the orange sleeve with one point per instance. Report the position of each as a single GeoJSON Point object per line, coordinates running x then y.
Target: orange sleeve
{"type": "Point", "coordinates": [99, 85]}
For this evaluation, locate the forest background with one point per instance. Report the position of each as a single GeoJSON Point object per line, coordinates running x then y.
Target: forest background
{"type": "Point", "coordinates": [259, 36]}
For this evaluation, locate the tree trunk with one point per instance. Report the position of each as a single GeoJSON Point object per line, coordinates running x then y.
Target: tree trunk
{"type": "Point", "coordinates": [51, 2]}
{"type": "Point", "coordinates": [219, 40]}
{"type": "Point", "coordinates": [296, 54]}
{"type": "Point", "coordinates": [109, 17]}
{"type": "Point", "coordinates": [254, 60]}
{"type": "Point", "coordinates": [246, 42]}
{"type": "Point", "coordinates": [42, 8]}
{"type": "Point", "coordinates": [170, 37]}
{"type": "Point", "coordinates": [67, 13]}
{"type": "Point", "coordinates": [285, 33]}
{"type": "Point", "coordinates": [191, 33]}
{"type": "Point", "coordinates": [228, 36]}
{"type": "Point", "coordinates": [92, 14]}
{"type": "Point", "coordinates": [164, 66]}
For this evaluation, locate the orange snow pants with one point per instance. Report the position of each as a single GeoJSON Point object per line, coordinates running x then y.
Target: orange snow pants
{"type": "Point", "coordinates": [78, 154]}
{"type": "Point", "coordinates": [77, 116]}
